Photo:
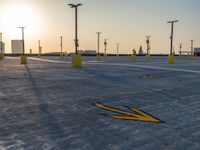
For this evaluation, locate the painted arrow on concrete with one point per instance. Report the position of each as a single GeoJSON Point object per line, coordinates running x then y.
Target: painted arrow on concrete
{"type": "Point", "coordinates": [134, 114]}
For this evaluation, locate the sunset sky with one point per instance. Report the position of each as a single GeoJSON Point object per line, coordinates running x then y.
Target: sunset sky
{"type": "Point", "coordinates": [126, 22]}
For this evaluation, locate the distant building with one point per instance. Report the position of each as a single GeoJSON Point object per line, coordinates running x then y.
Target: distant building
{"type": "Point", "coordinates": [3, 47]}
{"type": "Point", "coordinates": [80, 51]}
{"type": "Point", "coordinates": [17, 46]}
{"type": "Point", "coordinates": [197, 51]}
{"type": "Point", "coordinates": [90, 52]}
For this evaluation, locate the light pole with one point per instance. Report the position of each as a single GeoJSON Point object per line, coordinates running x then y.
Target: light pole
{"type": "Point", "coordinates": [76, 25]}
{"type": "Point", "coordinates": [105, 44]}
{"type": "Point", "coordinates": [98, 41]}
{"type": "Point", "coordinates": [39, 48]}
{"type": "Point", "coordinates": [180, 46]}
{"type": "Point", "coordinates": [192, 46]}
{"type": "Point", "coordinates": [148, 42]}
{"type": "Point", "coordinates": [23, 44]}
{"type": "Point", "coordinates": [61, 44]}
{"type": "Point", "coordinates": [172, 32]}
{"type": "Point", "coordinates": [117, 49]}
{"type": "Point", "coordinates": [1, 43]}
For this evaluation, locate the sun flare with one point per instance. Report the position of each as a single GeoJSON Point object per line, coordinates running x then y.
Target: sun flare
{"type": "Point", "coordinates": [19, 14]}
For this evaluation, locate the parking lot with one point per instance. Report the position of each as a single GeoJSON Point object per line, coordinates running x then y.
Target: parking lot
{"type": "Point", "coordinates": [47, 104]}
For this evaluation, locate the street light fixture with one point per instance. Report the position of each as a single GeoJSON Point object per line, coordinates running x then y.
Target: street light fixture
{"type": "Point", "coordinates": [1, 43]}
{"type": "Point", "coordinates": [117, 49]}
{"type": "Point", "coordinates": [98, 33]}
{"type": "Point", "coordinates": [180, 46]}
{"type": "Point", "coordinates": [76, 25]}
{"type": "Point", "coordinates": [192, 46]}
{"type": "Point", "coordinates": [105, 44]}
{"type": "Point", "coordinates": [39, 48]}
{"type": "Point", "coordinates": [23, 44]}
{"type": "Point", "coordinates": [61, 45]}
{"type": "Point", "coordinates": [172, 32]}
{"type": "Point", "coordinates": [148, 42]}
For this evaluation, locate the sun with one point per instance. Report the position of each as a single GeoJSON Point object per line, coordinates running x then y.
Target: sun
{"type": "Point", "coordinates": [19, 14]}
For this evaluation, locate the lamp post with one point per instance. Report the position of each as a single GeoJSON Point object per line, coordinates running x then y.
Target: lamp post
{"type": "Point", "coordinates": [180, 46]}
{"type": "Point", "coordinates": [117, 49]}
{"type": "Point", "coordinates": [172, 32]}
{"type": "Point", "coordinates": [23, 44]}
{"type": "Point", "coordinates": [192, 46]}
{"type": "Point", "coordinates": [98, 41]}
{"type": "Point", "coordinates": [105, 44]}
{"type": "Point", "coordinates": [39, 48]}
{"type": "Point", "coordinates": [61, 45]}
{"type": "Point", "coordinates": [148, 42]}
{"type": "Point", "coordinates": [76, 25]}
{"type": "Point", "coordinates": [1, 43]}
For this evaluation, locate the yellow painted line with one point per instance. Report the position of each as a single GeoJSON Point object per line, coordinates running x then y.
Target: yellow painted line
{"type": "Point", "coordinates": [150, 77]}
{"type": "Point", "coordinates": [135, 114]}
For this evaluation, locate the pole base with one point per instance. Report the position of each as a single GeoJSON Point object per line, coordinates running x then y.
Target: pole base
{"type": "Point", "coordinates": [133, 57]}
{"type": "Point", "coordinates": [170, 59]}
{"type": "Point", "coordinates": [76, 60]}
{"type": "Point", "coordinates": [61, 55]}
{"type": "Point", "coordinates": [105, 56]}
{"type": "Point", "coordinates": [23, 59]}
{"type": "Point", "coordinates": [190, 57]}
{"type": "Point", "coordinates": [98, 57]}
{"type": "Point", "coordinates": [1, 56]}
{"type": "Point", "coordinates": [148, 57]}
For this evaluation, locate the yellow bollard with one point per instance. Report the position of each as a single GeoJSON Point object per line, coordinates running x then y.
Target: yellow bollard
{"type": "Point", "coordinates": [65, 54]}
{"type": "Point", "coordinates": [190, 57]}
{"type": "Point", "coordinates": [1, 56]}
{"type": "Point", "coordinates": [148, 57]}
{"type": "Point", "coordinates": [133, 57]}
{"type": "Point", "coordinates": [170, 59]}
{"type": "Point", "coordinates": [61, 55]}
{"type": "Point", "coordinates": [23, 59]}
{"type": "Point", "coordinates": [76, 60]}
{"type": "Point", "coordinates": [98, 57]}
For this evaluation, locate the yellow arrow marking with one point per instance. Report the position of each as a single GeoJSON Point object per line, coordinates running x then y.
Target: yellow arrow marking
{"type": "Point", "coordinates": [135, 114]}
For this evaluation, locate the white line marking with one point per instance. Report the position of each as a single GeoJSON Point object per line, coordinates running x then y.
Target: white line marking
{"type": "Point", "coordinates": [52, 61]}
{"type": "Point", "coordinates": [119, 64]}
{"type": "Point", "coordinates": [147, 67]}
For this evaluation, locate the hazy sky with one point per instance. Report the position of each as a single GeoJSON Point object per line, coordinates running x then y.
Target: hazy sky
{"type": "Point", "coordinates": [126, 22]}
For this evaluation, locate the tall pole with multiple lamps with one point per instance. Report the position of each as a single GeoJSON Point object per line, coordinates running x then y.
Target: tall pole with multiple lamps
{"type": "Point", "coordinates": [172, 35]}
{"type": "Point", "coordinates": [105, 44]}
{"type": "Point", "coordinates": [1, 47]}
{"type": "Point", "coordinates": [23, 58]}
{"type": "Point", "coordinates": [76, 59]}
{"type": "Point", "coordinates": [148, 46]}
{"type": "Point", "coordinates": [192, 47]}
{"type": "Point", "coordinates": [76, 25]}
{"type": "Point", "coordinates": [180, 46]}
{"type": "Point", "coordinates": [61, 46]}
{"type": "Point", "coordinates": [1, 43]}
{"type": "Point", "coordinates": [171, 56]}
{"type": "Point", "coordinates": [98, 41]}
{"type": "Point", "coordinates": [23, 43]}
{"type": "Point", "coordinates": [117, 49]}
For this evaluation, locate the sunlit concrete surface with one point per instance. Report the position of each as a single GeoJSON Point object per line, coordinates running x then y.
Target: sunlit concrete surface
{"type": "Point", "coordinates": [47, 104]}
